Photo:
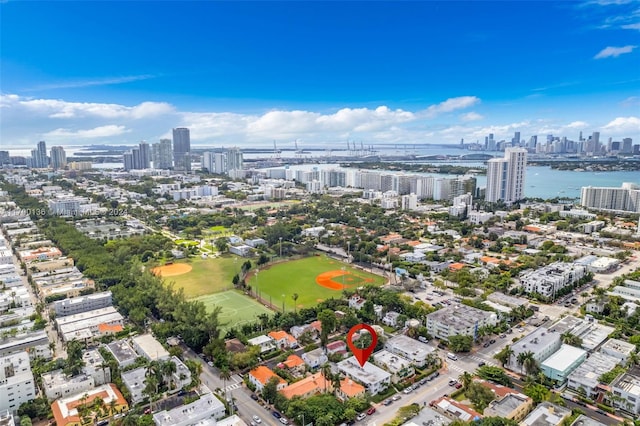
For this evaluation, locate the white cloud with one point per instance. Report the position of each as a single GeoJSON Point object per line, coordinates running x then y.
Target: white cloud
{"type": "Point", "coordinates": [108, 81]}
{"type": "Point", "coordinates": [471, 116]}
{"type": "Point", "coordinates": [635, 26]}
{"type": "Point", "coordinates": [24, 121]}
{"type": "Point", "coordinates": [452, 104]}
{"type": "Point", "coordinates": [621, 126]}
{"type": "Point", "coordinates": [609, 52]}
{"type": "Point", "coordinates": [97, 132]}
{"type": "Point", "coordinates": [577, 125]}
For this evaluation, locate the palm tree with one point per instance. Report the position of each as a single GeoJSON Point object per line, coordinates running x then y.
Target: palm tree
{"type": "Point", "coordinates": [112, 407]}
{"type": "Point", "coordinates": [336, 381]}
{"type": "Point", "coordinates": [529, 362]}
{"type": "Point", "coordinates": [520, 360]}
{"type": "Point", "coordinates": [504, 356]}
{"type": "Point", "coordinates": [326, 373]}
{"type": "Point", "coordinates": [168, 368]}
{"type": "Point", "coordinates": [294, 296]}
{"type": "Point", "coordinates": [225, 375]}
{"type": "Point", "coordinates": [466, 378]}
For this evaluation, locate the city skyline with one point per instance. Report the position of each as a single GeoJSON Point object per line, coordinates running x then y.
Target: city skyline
{"type": "Point", "coordinates": [318, 73]}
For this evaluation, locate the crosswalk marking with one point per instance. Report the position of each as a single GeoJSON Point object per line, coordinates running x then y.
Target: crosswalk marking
{"type": "Point", "coordinates": [233, 386]}
{"type": "Point", "coordinates": [477, 358]}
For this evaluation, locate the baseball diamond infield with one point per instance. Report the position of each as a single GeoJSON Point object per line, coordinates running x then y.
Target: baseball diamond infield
{"type": "Point", "coordinates": [171, 270]}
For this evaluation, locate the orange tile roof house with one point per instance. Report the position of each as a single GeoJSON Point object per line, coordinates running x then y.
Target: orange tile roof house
{"type": "Point", "coordinates": [293, 362]}
{"type": "Point", "coordinates": [260, 376]}
{"type": "Point", "coordinates": [349, 389]}
{"type": "Point", "coordinates": [283, 339]}
{"type": "Point", "coordinates": [309, 386]}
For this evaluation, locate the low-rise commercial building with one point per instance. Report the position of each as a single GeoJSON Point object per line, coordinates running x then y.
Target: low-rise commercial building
{"type": "Point", "coordinates": [207, 407]}
{"type": "Point", "coordinates": [550, 279]}
{"type": "Point", "coordinates": [96, 367]}
{"type": "Point", "coordinates": [541, 342]}
{"type": "Point", "coordinates": [459, 320]}
{"type": "Point", "coordinates": [36, 343]}
{"type": "Point", "coordinates": [586, 376]}
{"type": "Point", "coordinates": [373, 378]}
{"type": "Point", "coordinates": [17, 385]}
{"type": "Point", "coordinates": [399, 367]}
{"type": "Point", "coordinates": [309, 386]}
{"type": "Point", "coordinates": [416, 352]}
{"type": "Point", "coordinates": [122, 352]}
{"type": "Point", "coordinates": [512, 406]}
{"type": "Point", "coordinates": [147, 346]}
{"type": "Point", "coordinates": [134, 382]}
{"type": "Point", "coordinates": [56, 384]}
{"type": "Point", "coordinates": [80, 304]}
{"type": "Point", "coordinates": [454, 410]}
{"type": "Point", "coordinates": [618, 349]}
{"type": "Point", "coordinates": [88, 325]}
{"type": "Point", "coordinates": [562, 363]}
{"type": "Point", "coordinates": [626, 389]}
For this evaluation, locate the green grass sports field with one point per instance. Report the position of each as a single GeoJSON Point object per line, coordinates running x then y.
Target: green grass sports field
{"type": "Point", "coordinates": [314, 279]}
{"type": "Point", "coordinates": [207, 276]}
{"type": "Point", "coordinates": [237, 309]}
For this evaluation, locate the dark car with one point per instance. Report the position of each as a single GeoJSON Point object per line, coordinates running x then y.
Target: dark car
{"type": "Point", "coordinates": [441, 346]}
{"type": "Point", "coordinates": [486, 345]}
{"type": "Point", "coordinates": [481, 364]}
{"type": "Point", "coordinates": [276, 414]}
{"type": "Point", "coordinates": [492, 341]}
{"type": "Point", "coordinates": [254, 396]}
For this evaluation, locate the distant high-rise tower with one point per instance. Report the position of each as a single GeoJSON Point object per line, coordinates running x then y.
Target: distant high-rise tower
{"type": "Point", "coordinates": [234, 159]}
{"type": "Point", "coordinates": [627, 146]}
{"type": "Point", "coordinates": [162, 155]}
{"type": "Point", "coordinates": [39, 159]}
{"type": "Point", "coordinates": [516, 139]}
{"type": "Point", "coordinates": [505, 176]}
{"type": "Point", "coordinates": [595, 139]}
{"type": "Point", "coordinates": [181, 149]}
{"type": "Point", "coordinates": [138, 158]}
{"type": "Point", "coordinates": [58, 157]}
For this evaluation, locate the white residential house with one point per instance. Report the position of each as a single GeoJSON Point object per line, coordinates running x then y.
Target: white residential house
{"type": "Point", "coordinates": [265, 343]}
{"type": "Point", "coordinates": [315, 358]}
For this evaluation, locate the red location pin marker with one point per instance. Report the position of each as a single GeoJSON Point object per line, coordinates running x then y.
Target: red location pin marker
{"type": "Point", "coordinates": [362, 355]}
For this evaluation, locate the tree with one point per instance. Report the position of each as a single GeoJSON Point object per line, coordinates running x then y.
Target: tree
{"type": "Point", "coordinates": [222, 244]}
{"type": "Point", "coordinates": [571, 339]}
{"type": "Point", "coordinates": [270, 390]}
{"type": "Point", "coordinates": [168, 369]}
{"type": "Point", "coordinates": [294, 296]}
{"type": "Point", "coordinates": [537, 392]}
{"type": "Point", "coordinates": [25, 421]}
{"type": "Point", "coordinates": [328, 321]}
{"type": "Point", "coordinates": [225, 375]}
{"type": "Point", "coordinates": [479, 395]}
{"type": "Point", "coordinates": [529, 363]}
{"type": "Point", "coordinates": [504, 356]}
{"type": "Point", "coordinates": [466, 378]}
{"type": "Point", "coordinates": [460, 343]}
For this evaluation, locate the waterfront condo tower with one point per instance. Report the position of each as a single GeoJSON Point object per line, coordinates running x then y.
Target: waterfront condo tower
{"type": "Point", "coordinates": [505, 176]}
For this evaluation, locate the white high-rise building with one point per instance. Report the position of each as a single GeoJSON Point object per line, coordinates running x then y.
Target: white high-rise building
{"type": "Point", "coordinates": [234, 159]}
{"type": "Point", "coordinates": [506, 176]}
{"type": "Point", "coordinates": [161, 154]}
{"type": "Point", "coordinates": [625, 198]}
{"type": "Point", "coordinates": [58, 157]}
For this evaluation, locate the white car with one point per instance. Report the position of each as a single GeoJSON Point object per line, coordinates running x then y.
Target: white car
{"type": "Point", "coordinates": [361, 416]}
{"type": "Point", "coordinates": [284, 421]}
{"type": "Point", "coordinates": [257, 419]}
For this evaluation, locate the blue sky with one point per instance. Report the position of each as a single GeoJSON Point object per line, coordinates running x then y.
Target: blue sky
{"type": "Point", "coordinates": [319, 72]}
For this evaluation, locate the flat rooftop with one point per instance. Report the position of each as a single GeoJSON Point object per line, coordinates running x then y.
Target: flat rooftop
{"type": "Point", "coordinates": [546, 414]}
{"type": "Point", "coordinates": [122, 351]}
{"type": "Point", "coordinates": [583, 420]}
{"type": "Point", "coordinates": [562, 359]}
{"type": "Point", "coordinates": [393, 362]}
{"type": "Point", "coordinates": [629, 381]}
{"type": "Point", "coordinates": [539, 338]}
{"type": "Point", "coordinates": [459, 316]}
{"type": "Point", "coordinates": [369, 374]}
{"type": "Point", "coordinates": [596, 365]}
{"type": "Point", "coordinates": [408, 345]}
{"type": "Point", "coordinates": [506, 405]}
{"type": "Point", "coordinates": [151, 347]}
{"type": "Point", "coordinates": [619, 346]}
{"type": "Point", "coordinates": [190, 413]}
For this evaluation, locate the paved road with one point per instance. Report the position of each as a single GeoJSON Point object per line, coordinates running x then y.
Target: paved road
{"type": "Point", "coordinates": [235, 388]}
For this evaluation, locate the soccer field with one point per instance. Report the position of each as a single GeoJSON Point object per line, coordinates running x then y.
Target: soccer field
{"type": "Point", "coordinates": [207, 276]}
{"type": "Point", "coordinates": [313, 279]}
{"type": "Point", "coordinates": [237, 309]}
